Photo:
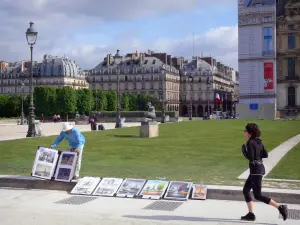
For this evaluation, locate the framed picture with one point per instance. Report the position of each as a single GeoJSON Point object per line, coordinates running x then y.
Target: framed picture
{"type": "Point", "coordinates": [66, 166]}
{"type": "Point", "coordinates": [178, 190]}
{"type": "Point", "coordinates": [86, 185]}
{"type": "Point", "coordinates": [131, 188]}
{"type": "Point", "coordinates": [108, 187]}
{"type": "Point", "coordinates": [199, 192]}
{"type": "Point", "coordinates": [154, 189]}
{"type": "Point", "coordinates": [45, 163]}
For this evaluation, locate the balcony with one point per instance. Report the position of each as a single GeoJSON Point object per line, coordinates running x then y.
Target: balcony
{"type": "Point", "coordinates": [268, 53]}
{"type": "Point", "coordinates": [292, 78]}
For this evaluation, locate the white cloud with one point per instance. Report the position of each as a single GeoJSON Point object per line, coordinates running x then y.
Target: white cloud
{"type": "Point", "coordinates": [58, 22]}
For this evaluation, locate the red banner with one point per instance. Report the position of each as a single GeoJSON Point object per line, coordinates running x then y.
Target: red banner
{"type": "Point", "coordinates": [269, 75]}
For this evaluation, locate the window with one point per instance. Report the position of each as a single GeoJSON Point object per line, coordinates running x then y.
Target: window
{"type": "Point", "coordinates": [291, 67]}
{"type": "Point", "coordinates": [291, 27]}
{"type": "Point", "coordinates": [268, 19]}
{"type": "Point", "coordinates": [134, 86]}
{"type": "Point", "coordinates": [126, 86]}
{"type": "Point", "coordinates": [143, 85]}
{"type": "Point", "coordinates": [268, 39]}
{"type": "Point", "coordinates": [125, 78]}
{"type": "Point", "coordinates": [291, 41]}
{"type": "Point", "coordinates": [291, 96]}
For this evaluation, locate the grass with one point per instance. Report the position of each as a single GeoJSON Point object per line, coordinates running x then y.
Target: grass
{"type": "Point", "coordinates": [200, 151]}
{"type": "Point", "coordinates": [288, 167]}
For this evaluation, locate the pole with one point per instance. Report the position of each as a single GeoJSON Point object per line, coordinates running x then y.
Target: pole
{"type": "Point", "coordinates": [163, 116]}
{"type": "Point", "coordinates": [226, 102]}
{"type": "Point", "coordinates": [22, 112]}
{"type": "Point", "coordinates": [191, 103]}
{"type": "Point", "coordinates": [31, 117]}
{"type": "Point", "coordinates": [96, 100]}
{"type": "Point", "coordinates": [118, 125]}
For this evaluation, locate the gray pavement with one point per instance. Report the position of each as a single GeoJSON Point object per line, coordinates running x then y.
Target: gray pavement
{"type": "Point", "coordinates": [12, 131]}
{"type": "Point", "coordinates": [36, 207]}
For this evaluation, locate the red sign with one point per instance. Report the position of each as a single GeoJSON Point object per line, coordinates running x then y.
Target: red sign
{"type": "Point", "coordinates": [268, 75]}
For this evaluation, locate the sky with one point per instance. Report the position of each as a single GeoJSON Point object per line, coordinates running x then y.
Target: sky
{"type": "Point", "coordinates": [87, 30]}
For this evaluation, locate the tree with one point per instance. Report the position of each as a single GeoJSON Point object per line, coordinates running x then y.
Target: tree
{"type": "Point", "coordinates": [132, 102]}
{"type": "Point", "coordinates": [3, 105]}
{"type": "Point", "coordinates": [85, 100]}
{"type": "Point", "coordinates": [13, 106]}
{"type": "Point", "coordinates": [65, 100]}
{"type": "Point", "coordinates": [100, 100]}
{"type": "Point", "coordinates": [125, 102]}
{"type": "Point", "coordinates": [44, 100]}
{"type": "Point", "coordinates": [111, 97]}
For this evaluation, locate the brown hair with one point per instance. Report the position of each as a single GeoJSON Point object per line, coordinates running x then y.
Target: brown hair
{"type": "Point", "coordinates": [253, 130]}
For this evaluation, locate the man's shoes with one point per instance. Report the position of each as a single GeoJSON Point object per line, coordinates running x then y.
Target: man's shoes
{"type": "Point", "coordinates": [249, 217]}
{"type": "Point", "coordinates": [283, 210]}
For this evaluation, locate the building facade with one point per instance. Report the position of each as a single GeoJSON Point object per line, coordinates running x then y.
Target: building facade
{"type": "Point", "coordinates": [52, 71]}
{"type": "Point", "coordinates": [147, 73]}
{"type": "Point", "coordinates": [257, 59]}
{"type": "Point", "coordinates": [202, 78]}
{"type": "Point", "coordinates": [288, 57]}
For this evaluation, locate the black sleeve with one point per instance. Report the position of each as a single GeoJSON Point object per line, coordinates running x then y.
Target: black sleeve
{"type": "Point", "coordinates": [264, 153]}
{"type": "Point", "coordinates": [250, 149]}
{"type": "Point", "coordinates": [244, 151]}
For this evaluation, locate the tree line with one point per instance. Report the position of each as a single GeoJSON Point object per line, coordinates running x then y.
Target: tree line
{"type": "Point", "coordinates": [67, 101]}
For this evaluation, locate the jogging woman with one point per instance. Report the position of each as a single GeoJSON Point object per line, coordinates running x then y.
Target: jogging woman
{"type": "Point", "coordinates": [255, 151]}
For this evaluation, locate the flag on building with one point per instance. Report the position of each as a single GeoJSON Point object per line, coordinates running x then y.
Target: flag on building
{"type": "Point", "coordinates": [218, 100]}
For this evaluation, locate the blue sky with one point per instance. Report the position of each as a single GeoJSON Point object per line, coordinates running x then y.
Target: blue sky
{"type": "Point", "coordinates": [87, 32]}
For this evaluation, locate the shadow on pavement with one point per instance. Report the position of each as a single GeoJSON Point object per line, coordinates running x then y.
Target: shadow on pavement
{"type": "Point", "coordinates": [193, 219]}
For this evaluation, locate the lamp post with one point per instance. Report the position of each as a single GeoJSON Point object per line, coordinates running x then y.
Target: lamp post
{"type": "Point", "coordinates": [22, 102]}
{"type": "Point", "coordinates": [191, 78]}
{"type": "Point", "coordinates": [118, 116]}
{"type": "Point", "coordinates": [163, 100]}
{"type": "Point", "coordinates": [207, 88]}
{"type": "Point", "coordinates": [232, 103]}
{"type": "Point", "coordinates": [221, 88]}
{"type": "Point", "coordinates": [31, 36]}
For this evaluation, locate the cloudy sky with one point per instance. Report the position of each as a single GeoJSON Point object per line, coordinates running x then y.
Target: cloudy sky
{"type": "Point", "coordinates": [87, 30]}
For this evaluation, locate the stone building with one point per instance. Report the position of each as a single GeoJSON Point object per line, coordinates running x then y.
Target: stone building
{"type": "Point", "coordinates": [257, 58]}
{"type": "Point", "coordinates": [202, 78]}
{"type": "Point", "coordinates": [288, 57]}
{"type": "Point", "coordinates": [149, 73]}
{"type": "Point", "coordinates": [52, 71]}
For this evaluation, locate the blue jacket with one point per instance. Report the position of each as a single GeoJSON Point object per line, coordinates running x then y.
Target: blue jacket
{"type": "Point", "coordinates": [75, 139]}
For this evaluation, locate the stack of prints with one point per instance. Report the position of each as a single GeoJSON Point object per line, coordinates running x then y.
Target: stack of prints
{"type": "Point", "coordinates": [108, 187]}
{"type": "Point", "coordinates": [178, 190]}
{"type": "Point", "coordinates": [154, 189]}
{"type": "Point", "coordinates": [86, 185]}
{"type": "Point", "coordinates": [66, 166]}
{"type": "Point", "coordinates": [131, 188]}
{"type": "Point", "coordinates": [45, 163]}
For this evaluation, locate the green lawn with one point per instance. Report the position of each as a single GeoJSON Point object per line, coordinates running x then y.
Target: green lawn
{"type": "Point", "coordinates": [288, 167]}
{"type": "Point", "coordinates": [201, 151]}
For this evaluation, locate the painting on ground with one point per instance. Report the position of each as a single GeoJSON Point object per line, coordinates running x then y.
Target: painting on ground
{"type": "Point", "coordinates": [131, 188]}
{"type": "Point", "coordinates": [66, 166]}
{"type": "Point", "coordinates": [86, 185]}
{"type": "Point", "coordinates": [108, 187]}
{"type": "Point", "coordinates": [178, 190]}
{"type": "Point", "coordinates": [199, 192]}
{"type": "Point", "coordinates": [154, 189]}
{"type": "Point", "coordinates": [45, 163]}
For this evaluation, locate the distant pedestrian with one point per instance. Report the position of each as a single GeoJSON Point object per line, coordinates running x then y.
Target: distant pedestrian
{"type": "Point", "coordinates": [76, 141]}
{"type": "Point", "coordinates": [255, 151]}
{"type": "Point", "coordinates": [42, 117]}
{"type": "Point", "coordinates": [58, 118]}
{"type": "Point", "coordinates": [54, 118]}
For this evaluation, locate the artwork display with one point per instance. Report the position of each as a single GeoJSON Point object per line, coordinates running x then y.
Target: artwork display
{"type": "Point", "coordinates": [178, 190]}
{"type": "Point", "coordinates": [66, 166]}
{"type": "Point", "coordinates": [131, 188]}
{"type": "Point", "coordinates": [86, 185]}
{"type": "Point", "coordinates": [45, 163]}
{"type": "Point", "coordinates": [108, 187]}
{"type": "Point", "coordinates": [154, 189]}
{"type": "Point", "coordinates": [199, 192]}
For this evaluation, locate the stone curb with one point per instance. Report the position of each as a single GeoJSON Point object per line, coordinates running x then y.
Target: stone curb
{"type": "Point", "coordinates": [214, 192]}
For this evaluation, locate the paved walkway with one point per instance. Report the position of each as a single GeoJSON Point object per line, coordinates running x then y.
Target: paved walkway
{"type": "Point", "coordinates": [35, 207]}
{"type": "Point", "coordinates": [275, 155]}
{"type": "Point", "coordinates": [11, 132]}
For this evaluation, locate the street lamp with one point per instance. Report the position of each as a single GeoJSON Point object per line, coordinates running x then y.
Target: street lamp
{"type": "Point", "coordinates": [163, 100]}
{"type": "Point", "coordinates": [221, 88]}
{"type": "Point", "coordinates": [191, 78]}
{"type": "Point", "coordinates": [118, 116]}
{"type": "Point", "coordinates": [31, 36]}
{"type": "Point", "coordinates": [22, 100]}
{"type": "Point", "coordinates": [207, 87]}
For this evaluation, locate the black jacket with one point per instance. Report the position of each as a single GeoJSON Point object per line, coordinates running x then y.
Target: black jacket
{"type": "Point", "coordinates": [255, 151]}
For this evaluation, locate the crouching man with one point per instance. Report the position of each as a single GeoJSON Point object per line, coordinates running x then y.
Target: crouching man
{"type": "Point", "coordinates": [76, 141]}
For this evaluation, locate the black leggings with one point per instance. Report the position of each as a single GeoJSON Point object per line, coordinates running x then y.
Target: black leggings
{"type": "Point", "coordinates": [254, 182]}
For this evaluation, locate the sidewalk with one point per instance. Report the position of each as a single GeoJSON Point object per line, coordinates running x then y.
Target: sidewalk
{"type": "Point", "coordinates": [41, 208]}
{"type": "Point", "coordinates": [11, 132]}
